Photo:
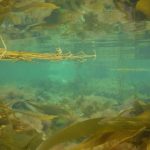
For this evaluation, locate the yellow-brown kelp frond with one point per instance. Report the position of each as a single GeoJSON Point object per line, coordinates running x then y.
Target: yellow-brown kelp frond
{"type": "Point", "coordinates": [144, 7]}
{"type": "Point", "coordinates": [8, 7]}
{"type": "Point", "coordinates": [33, 5]}
{"type": "Point", "coordinates": [10, 128]}
{"type": "Point", "coordinates": [81, 129]}
{"type": "Point", "coordinates": [107, 134]}
{"type": "Point", "coordinates": [27, 125]}
{"type": "Point", "coordinates": [137, 9]}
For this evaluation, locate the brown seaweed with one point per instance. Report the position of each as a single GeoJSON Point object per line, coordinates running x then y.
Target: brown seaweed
{"type": "Point", "coordinates": [144, 7]}
{"type": "Point", "coordinates": [35, 5]}
{"type": "Point", "coordinates": [25, 125]}
{"type": "Point", "coordinates": [104, 132]}
{"type": "Point", "coordinates": [78, 130]}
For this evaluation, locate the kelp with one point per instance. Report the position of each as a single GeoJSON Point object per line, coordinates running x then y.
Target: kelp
{"type": "Point", "coordinates": [137, 9]}
{"type": "Point", "coordinates": [33, 5]}
{"type": "Point", "coordinates": [71, 17]}
{"type": "Point", "coordinates": [13, 140]}
{"type": "Point", "coordinates": [20, 130]}
{"type": "Point", "coordinates": [107, 133]}
{"type": "Point", "coordinates": [78, 130]}
{"type": "Point", "coordinates": [12, 6]}
{"type": "Point", "coordinates": [9, 131]}
{"type": "Point", "coordinates": [13, 115]}
{"type": "Point", "coordinates": [30, 14]}
{"type": "Point", "coordinates": [48, 108]}
{"type": "Point", "coordinates": [42, 117]}
{"type": "Point", "coordinates": [144, 7]}
{"type": "Point", "coordinates": [39, 128]}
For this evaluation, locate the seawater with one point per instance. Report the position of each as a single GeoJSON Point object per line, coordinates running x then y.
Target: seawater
{"type": "Point", "coordinates": [120, 70]}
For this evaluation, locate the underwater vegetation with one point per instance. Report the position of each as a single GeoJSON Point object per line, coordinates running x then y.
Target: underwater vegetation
{"type": "Point", "coordinates": [143, 7]}
{"type": "Point", "coordinates": [134, 9]}
{"type": "Point", "coordinates": [86, 122]}
{"type": "Point", "coordinates": [55, 126]}
{"type": "Point", "coordinates": [93, 106]}
{"type": "Point", "coordinates": [76, 17]}
{"type": "Point", "coordinates": [27, 121]}
{"type": "Point", "coordinates": [129, 130]}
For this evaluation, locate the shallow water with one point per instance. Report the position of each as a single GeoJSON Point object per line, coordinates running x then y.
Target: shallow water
{"type": "Point", "coordinates": [119, 66]}
{"type": "Point", "coordinates": [47, 103]}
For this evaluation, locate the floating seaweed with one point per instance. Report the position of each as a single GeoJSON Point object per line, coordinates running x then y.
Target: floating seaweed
{"type": "Point", "coordinates": [29, 56]}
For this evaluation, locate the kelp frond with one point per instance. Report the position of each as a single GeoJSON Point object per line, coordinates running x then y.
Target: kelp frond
{"type": "Point", "coordinates": [109, 134]}
{"type": "Point", "coordinates": [25, 125]}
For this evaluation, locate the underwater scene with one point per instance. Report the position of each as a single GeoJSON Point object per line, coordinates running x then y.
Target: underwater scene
{"type": "Point", "coordinates": [74, 74]}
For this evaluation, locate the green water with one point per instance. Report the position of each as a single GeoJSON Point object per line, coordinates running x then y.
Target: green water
{"type": "Point", "coordinates": [94, 101]}
{"type": "Point", "coordinates": [120, 70]}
